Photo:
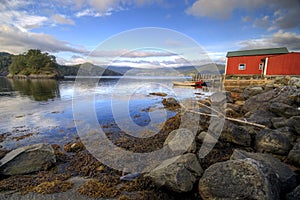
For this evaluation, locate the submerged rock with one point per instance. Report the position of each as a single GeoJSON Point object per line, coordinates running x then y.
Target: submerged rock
{"type": "Point", "coordinates": [161, 94]}
{"type": "Point", "coordinates": [239, 179]}
{"type": "Point", "coordinates": [28, 159]}
{"type": "Point", "coordinates": [286, 176]}
{"type": "Point", "coordinates": [178, 174]}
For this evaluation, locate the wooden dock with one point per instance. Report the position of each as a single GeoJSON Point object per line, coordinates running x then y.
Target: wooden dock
{"type": "Point", "coordinates": [212, 80]}
{"type": "Point", "coordinates": [220, 81]}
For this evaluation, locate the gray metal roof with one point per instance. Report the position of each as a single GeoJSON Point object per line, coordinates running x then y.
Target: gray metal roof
{"type": "Point", "coordinates": [253, 52]}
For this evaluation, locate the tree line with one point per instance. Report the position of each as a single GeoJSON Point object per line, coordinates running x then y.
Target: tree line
{"type": "Point", "coordinates": [33, 62]}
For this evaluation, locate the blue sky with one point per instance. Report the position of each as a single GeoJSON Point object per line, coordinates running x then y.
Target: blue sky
{"type": "Point", "coordinates": [72, 29]}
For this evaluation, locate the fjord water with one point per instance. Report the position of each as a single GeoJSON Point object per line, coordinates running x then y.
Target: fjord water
{"type": "Point", "coordinates": [42, 109]}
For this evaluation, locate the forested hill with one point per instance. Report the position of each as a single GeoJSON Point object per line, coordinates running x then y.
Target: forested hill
{"type": "Point", "coordinates": [34, 62]}
{"type": "Point", "coordinates": [72, 70]}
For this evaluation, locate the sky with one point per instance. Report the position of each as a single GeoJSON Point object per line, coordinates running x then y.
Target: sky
{"type": "Point", "coordinates": [147, 33]}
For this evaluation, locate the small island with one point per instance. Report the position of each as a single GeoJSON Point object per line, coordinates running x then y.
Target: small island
{"type": "Point", "coordinates": [34, 64]}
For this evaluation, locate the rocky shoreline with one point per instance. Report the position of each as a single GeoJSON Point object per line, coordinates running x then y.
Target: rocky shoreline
{"type": "Point", "coordinates": [247, 162]}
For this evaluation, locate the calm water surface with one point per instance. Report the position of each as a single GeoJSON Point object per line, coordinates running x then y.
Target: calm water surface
{"type": "Point", "coordinates": [42, 109]}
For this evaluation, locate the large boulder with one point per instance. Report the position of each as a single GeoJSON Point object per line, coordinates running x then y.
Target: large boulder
{"type": "Point", "coordinates": [272, 141]}
{"type": "Point", "coordinates": [236, 134]}
{"type": "Point", "coordinates": [28, 159]}
{"type": "Point", "coordinates": [239, 179]}
{"type": "Point", "coordinates": [287, 177]}
{"type": "Point", "coordinates": [178, 174]}
{"type": "Point", "coordinates": [294, 155]}
{"type": "Point", "coordinates": [284, 110]}
{"type": "Point", "coordinates": [261, 117]}
{"type": "Point", "coordinates": [263, 100]}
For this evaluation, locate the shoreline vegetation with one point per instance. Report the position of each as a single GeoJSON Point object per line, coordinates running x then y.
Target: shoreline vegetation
{"type": "Point", "coordinates": [247, 162]}
{"type": "Point", "coordinates": [35, 64]}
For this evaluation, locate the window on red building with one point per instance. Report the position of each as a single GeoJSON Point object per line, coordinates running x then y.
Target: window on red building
{"type": "Point", "coordinates": [242, 66]}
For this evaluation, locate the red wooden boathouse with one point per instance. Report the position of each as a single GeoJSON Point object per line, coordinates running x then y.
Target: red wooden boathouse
{"type": "Point", "coordinates": [264, 62]}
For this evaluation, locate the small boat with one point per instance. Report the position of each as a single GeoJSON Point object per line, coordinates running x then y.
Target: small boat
{"type": "Point", "coordinates": [190, 83]}
{"type": "Point", "coordinates": [185, 83]}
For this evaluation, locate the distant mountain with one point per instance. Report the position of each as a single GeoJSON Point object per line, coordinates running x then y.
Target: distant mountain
{"type": "Point", "coordinates": [5, 61]}
{"type": "Point", "coordinates": [91, 69]}
{"type": "Point", "coordinates": [121, 70]}
{"type": "Point", "coordinates": [210, 68]}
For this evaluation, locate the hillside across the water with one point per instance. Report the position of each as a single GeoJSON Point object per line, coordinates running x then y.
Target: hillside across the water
{"type": "Point", "coordinates": [36, 64]}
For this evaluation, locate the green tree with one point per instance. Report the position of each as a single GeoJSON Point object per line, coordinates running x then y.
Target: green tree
{"type": "Point", "coordinates": [33, 62]}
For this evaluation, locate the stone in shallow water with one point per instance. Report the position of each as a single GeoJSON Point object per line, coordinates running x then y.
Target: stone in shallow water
{"type": "Point", "coordinates": [28, 159]}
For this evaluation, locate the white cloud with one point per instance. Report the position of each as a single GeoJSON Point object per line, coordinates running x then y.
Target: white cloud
{"type": "Point", "coordinates": [278, 39]}
{"type": "Point", "coordinates": [130, 54]}
{"type": "Point", "coordinates": [62, 19]}
{"type": "Point", "coordinates": [72, 61]}
{"type": "Point", "coordinates": [286, 13]}
{"type": "Point", "coordinates": [101, 8]}
{"type": "Point", "coordinates": [91, 13]}
{"type": "Point", "coordinates": [16, 41]}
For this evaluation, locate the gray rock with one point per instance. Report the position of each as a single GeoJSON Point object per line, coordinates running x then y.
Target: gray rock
{"type": "Point", "coordinates": [292, 122]}
{"type": "Point", "coordinates": [239, 179]}
{"type": "Point", "coordinates": [271, 141]}
{"type": "Point", "coordinates": [287, 177]}
{"type": "Point", "coordinates": [294, 195]}
{"type": "Point", "coordinates": [236, 134]}
{"type": "Point", "coordinates": [284, 110]}
{"type": "Point", "coordinates": [279, 122]}
{"type": "Point", "coordinates": [263, 100]}
{"type": "Point", "coordinates": [252, 91]}
{"type": "Point", "coordinates": [171, 103]}
{"type": "Point", "coordinates": [208, 138]}
{"type": "Point", "coordinates": [28, 159]}
{"type": "Point", "coordinates": [294, 81]}
{"type": "Point", "coordinates": [231, 113]}
{"type": "Point", "coordinates": [261, 117]}
{"type": "Point", "coordinates": [234, 107]}
{"type": "Point", "coordinates": [177, 144]}
{"type": "Point", "coordinates": [178, 174]}
{"type": "Point", "coordinates": [294, 155]}
{"type": "Point", "coordinates": [221, 98]}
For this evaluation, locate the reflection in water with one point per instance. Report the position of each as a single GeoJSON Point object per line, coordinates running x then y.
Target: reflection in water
{"type": "Point", "coordinates": [37, 89]}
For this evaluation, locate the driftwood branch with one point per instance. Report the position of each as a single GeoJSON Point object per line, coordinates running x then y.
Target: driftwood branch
{"type": "Point", "coordinates": [221, 115]}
